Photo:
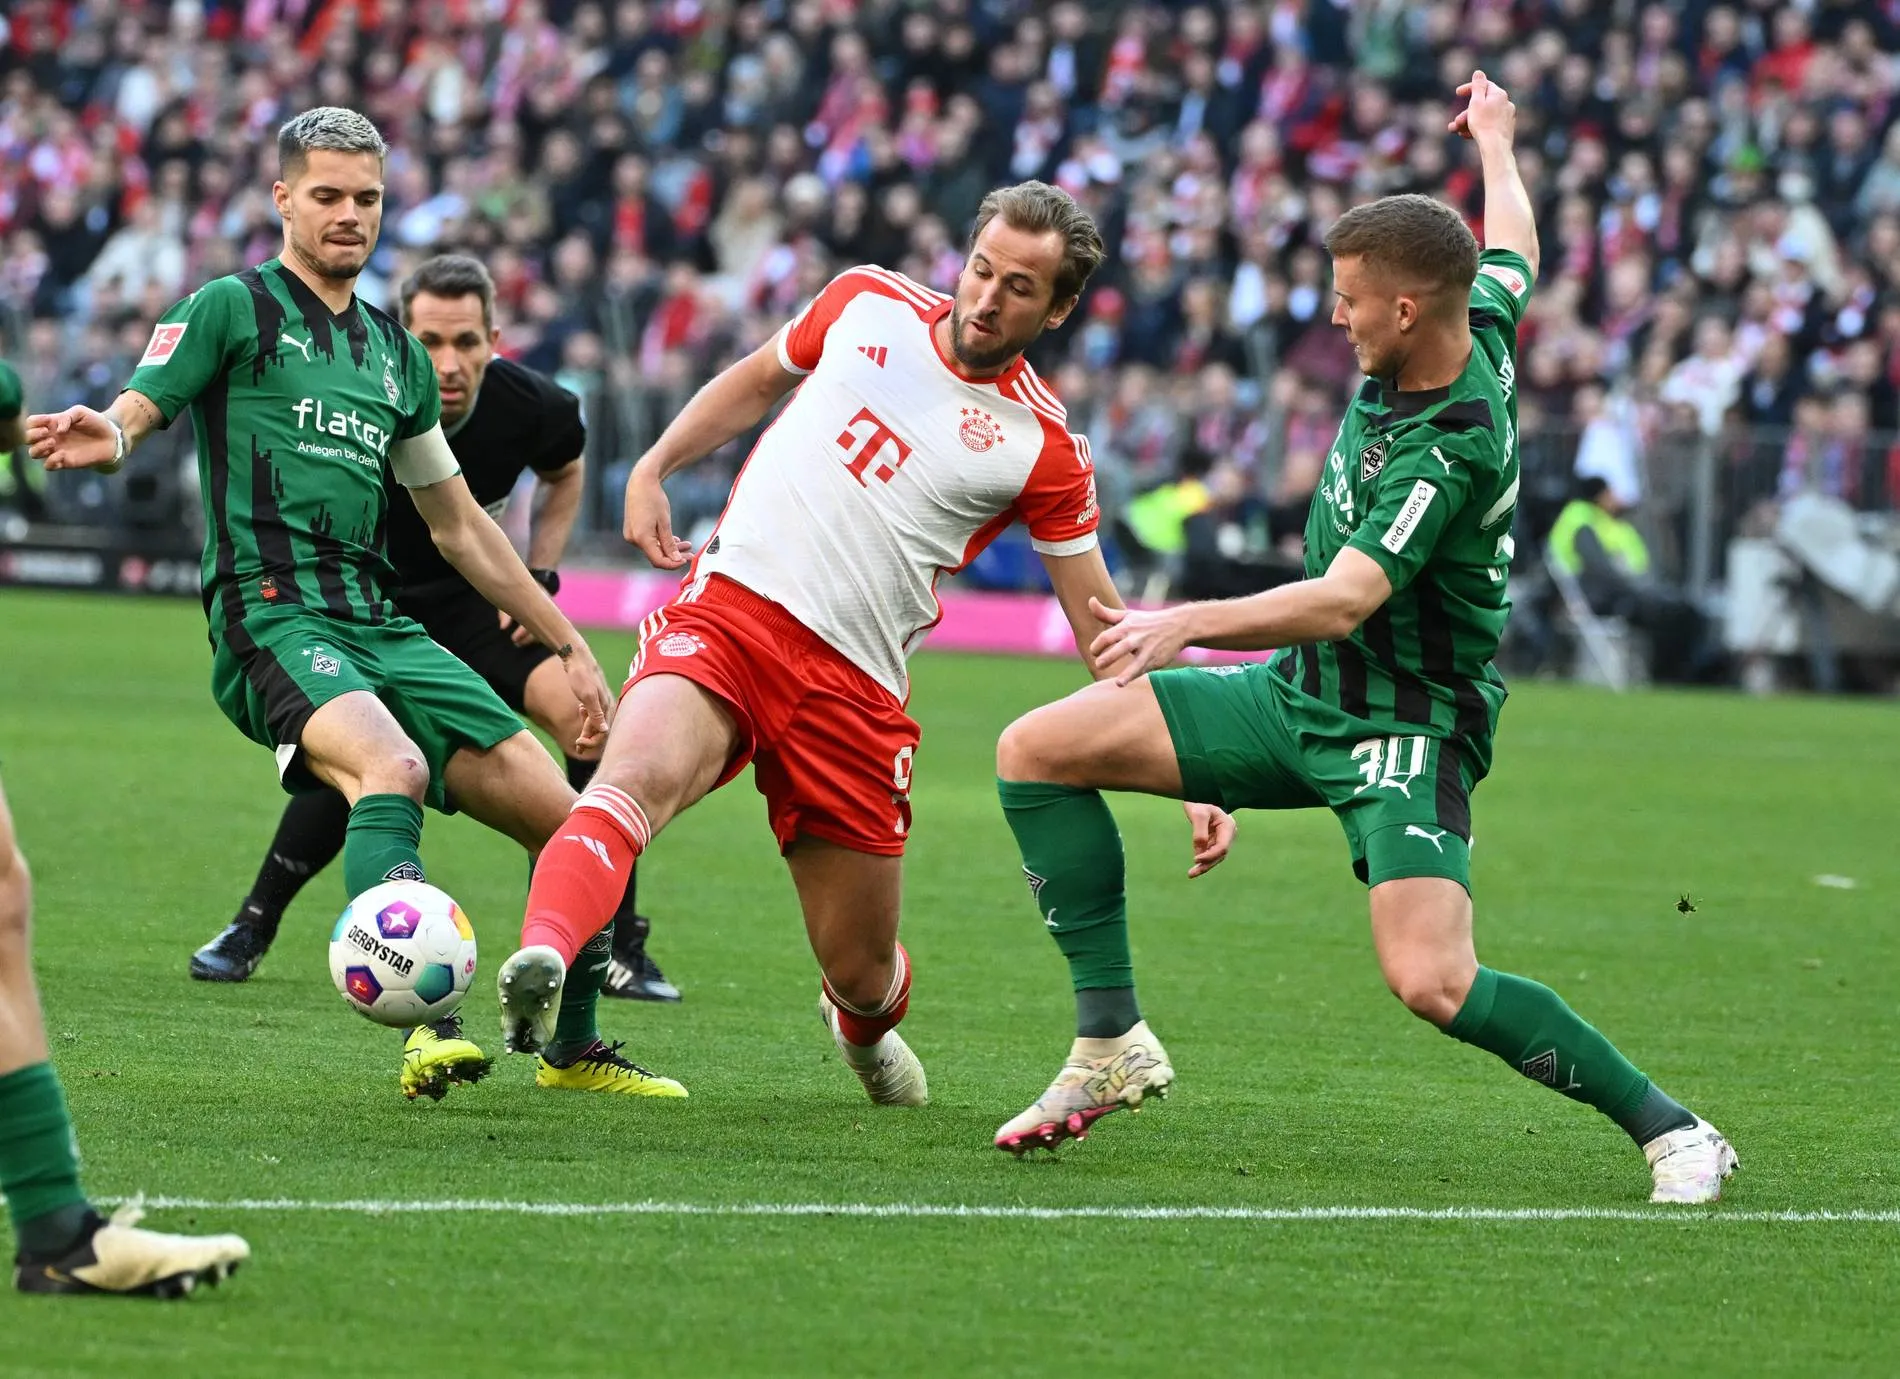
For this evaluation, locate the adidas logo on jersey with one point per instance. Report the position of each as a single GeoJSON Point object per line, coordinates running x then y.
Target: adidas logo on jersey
{"type": "Point", "coordinates": [877, 354]}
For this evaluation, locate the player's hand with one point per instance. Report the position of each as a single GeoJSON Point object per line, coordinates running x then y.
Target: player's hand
{"type": "Point", "coordinates": [1138, 640]}
{"type": "Point", "coordinates": [1489, 113]}
{"type": "Point", "coordinates": [77, 438]}
{"type": "Point", "coordinates": [649, 523]}
{"type": "Point", "coordinates": [1214, 830]}
{"type": "Point", "coordinates": [589, 685]}
{"type": "Point", "coordinates": [517, 634]}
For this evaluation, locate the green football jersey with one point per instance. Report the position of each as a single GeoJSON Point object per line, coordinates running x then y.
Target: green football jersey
{"type": "Point", "coordinates": [12, 397]}
{"type": "Point", "coordinates": [1425, 483]}
{"type": "Point", "coordinates": [295, 409]}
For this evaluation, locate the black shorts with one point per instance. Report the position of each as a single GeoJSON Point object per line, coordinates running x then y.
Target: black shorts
{"type": "Point", "coordinates": [467, 625]}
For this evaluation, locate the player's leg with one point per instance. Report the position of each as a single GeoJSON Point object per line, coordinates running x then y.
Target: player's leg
{"type": "Point", "coordinates": [672, 742]}
{"type": "Point", "coordinates": [1422, 929]}
{"type": "Point", "coordinates": [307, 686]}
{"type": "Point", "coordinates": [851, 900]}
{"type": "Point", "coordinates": [355, 745]}
{"type": "Point", "coordinates": [631, 972]}
{"type": "Point", "coordinates": [516, 788]}
{"type": "Point", "coordinates": [309, 836]}
{"type": "Point", "coordinates": [62, 1244]}
{"type": "Point", "coordinates": [1052, 765]}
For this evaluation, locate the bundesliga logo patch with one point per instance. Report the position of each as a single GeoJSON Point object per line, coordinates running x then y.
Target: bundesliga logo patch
{"type": "Point", "coordinates": [979, 430]}
{"type": "Point", "coordinates": [163, 344]}
{"type": "Point", "coordinates": [679, 644]}
{"type": "Point", "coordinates": [1372, 460]}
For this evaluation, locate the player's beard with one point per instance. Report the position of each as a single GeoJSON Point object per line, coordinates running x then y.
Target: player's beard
{"type": "Point", "coordinates": [351, 260]}
{"type": "Point", "coordinates": [978, 358]}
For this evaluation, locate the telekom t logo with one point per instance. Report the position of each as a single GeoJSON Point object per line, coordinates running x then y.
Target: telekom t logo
{"type": "Point", "coordinates": [861, 446]}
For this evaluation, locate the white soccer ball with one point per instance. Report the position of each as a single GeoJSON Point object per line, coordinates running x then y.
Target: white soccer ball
{"type": "Point", "coordinates": [403, 954]}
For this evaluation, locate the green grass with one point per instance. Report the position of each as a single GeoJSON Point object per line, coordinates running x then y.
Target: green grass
{"type": "Point", "coordinates": [1771, 1008]}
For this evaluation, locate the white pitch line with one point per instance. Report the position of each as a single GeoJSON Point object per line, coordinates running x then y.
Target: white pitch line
{"type": "Point", "coordinates": [931, 1210]}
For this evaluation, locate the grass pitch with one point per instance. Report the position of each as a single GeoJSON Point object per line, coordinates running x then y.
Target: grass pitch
{"type": "Point", "coordinates": [556, 1234]}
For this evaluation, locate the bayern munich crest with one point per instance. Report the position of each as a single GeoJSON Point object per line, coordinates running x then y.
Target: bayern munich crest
{"type": "Point", "coordinates": [679, 644]}
{"type": "Point", "coordinates": [979, 430]}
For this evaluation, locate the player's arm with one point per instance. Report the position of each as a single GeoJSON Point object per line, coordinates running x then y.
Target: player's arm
{"type": "Point", "coordinates": [1326, 609]}
{"type": "Point", "coordinates": [1081, 582]}
{"type": "Point", "coordinates": [557, 502]}
{"type": "Point", "coordinates": [727, 407]}
{"type": "Point", "coordinates": [192, 344]}
{"type": "Point", "coordinates": [1490, 121]}
{"type": "Point", "coordinates": [1425, 484]}
{"type": "Point", "coordinates": [470, 540]}
{"type": "Point", "coordinates": [82, 438]}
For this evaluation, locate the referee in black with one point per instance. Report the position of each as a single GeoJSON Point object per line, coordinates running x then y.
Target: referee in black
{"type": "Point", "coordinates": [500, 419]}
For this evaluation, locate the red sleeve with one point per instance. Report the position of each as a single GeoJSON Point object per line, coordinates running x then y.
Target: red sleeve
{"type": "Point", "coordinates": [1058, 503]}
{"type": "Point", "coordinates": [802, 340]}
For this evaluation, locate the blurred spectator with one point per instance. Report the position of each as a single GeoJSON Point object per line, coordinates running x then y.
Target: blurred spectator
{"type": "Point", "coordinates": [1594, 543]}
{"type": "Point", "coordinates": [658, 186]}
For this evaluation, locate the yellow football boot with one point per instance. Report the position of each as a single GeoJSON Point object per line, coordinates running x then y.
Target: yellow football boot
{"type": "Point", "coordinates": [437, 1056]}
{"type": "Point", "coordinates": [602, 1069]}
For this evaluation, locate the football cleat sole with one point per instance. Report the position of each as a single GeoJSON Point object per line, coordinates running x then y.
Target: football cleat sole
{"type": "Point", "coordinates": [1074, 1126]}
{"type": "Point", "coordinates": [529, 985]}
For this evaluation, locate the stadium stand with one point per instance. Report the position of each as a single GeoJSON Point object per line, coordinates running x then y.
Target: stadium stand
{"type": "Point", "coordinates": [658, 183]}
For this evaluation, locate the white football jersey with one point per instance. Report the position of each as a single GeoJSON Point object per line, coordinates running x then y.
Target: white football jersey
{"type": "Point", "coordinates": [887, 469]}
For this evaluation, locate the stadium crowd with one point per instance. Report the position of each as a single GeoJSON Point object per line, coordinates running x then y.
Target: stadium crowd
{"type": "Point", "coordinates": [656, 184]}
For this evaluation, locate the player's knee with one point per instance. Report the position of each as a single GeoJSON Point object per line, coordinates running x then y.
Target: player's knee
{"type": "Point", "coordinates": [1026, 751]}
{"type": "Point", "coordinates": [862, 980]}
{"type": "Point", "coordinates": [401, 772]}
{"type": "Point", "coordinates": [1430, 990]}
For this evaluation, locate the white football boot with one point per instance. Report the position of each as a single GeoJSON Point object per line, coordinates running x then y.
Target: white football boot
{"type": "Point", "coordinates": [529, 984]}
{"type": "Point", "coordinates": [123, 1258]}
{"type": "Point", "coordinates": [1689, 1164]}
{"type": "Point", "coordinates": [1102, 1075]}
{"type": "Point", "coordinates": [890, 1072]}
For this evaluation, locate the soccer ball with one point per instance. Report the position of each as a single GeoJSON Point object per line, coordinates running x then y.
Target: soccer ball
{"type": "Point", "coordinates": [402, 954]}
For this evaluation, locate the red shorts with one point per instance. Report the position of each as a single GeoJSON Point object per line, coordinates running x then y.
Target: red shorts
{"type": "Point", "coordinates": [831, 747]}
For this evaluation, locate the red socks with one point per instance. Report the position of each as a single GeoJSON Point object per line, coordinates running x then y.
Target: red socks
{"type": "Point", "coordinates": [583, 871]}
{"type": "Point", "coordinates": [865, 1027]}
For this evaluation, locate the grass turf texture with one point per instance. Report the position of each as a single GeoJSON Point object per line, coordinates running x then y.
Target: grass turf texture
{"type": "Point", "coordinates": [1769, 1008]}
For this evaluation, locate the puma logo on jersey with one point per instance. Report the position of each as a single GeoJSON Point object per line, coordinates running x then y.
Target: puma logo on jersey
{"type": "Point", "coordinates": [1439, 455]}
{"type": "Point", "coordinates": [1436, 839]}
{"type": "Point", "coordinates": [877, 354]}
{"type": "Point", "coordinates": [303, 346]}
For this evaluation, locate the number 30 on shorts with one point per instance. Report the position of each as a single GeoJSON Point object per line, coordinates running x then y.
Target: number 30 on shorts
{"type": "Point", "coordinates": [1390, 763]}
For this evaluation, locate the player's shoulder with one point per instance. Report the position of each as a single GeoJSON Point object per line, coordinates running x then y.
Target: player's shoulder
{"type": "Point", "coordinates": [231, 292]}
{"type": "Point", "coordinates": [1025, 386]}
{"type": "Point", "coordinates": [1472, 423]}
{"type": "Point", "coordinates": [870, 279]}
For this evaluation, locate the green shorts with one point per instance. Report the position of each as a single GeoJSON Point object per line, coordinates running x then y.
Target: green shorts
{"type": "Point", "coordinates": [272, 671]}
{"type": "Point", "coordinates": [1404, 801]}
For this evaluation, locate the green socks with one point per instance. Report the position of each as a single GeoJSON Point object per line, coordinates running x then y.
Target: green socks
{"type": "Point", "coordinates": [382, 843]}
{"type": "Point", "coordinates": [1072, 855]}
{"type": "Point", "coordinates": [39, 1162]}
{"type": "Point", "coordinates": [1528, 1025]}
{"type": "Point", "coordinates": [575, 1028]}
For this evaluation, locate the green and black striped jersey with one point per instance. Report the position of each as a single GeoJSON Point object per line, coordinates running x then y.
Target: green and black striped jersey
{"type": "Point", "coordinates": [1425, 483]}
{"type": "Point", "coordinates": [295, 408]}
